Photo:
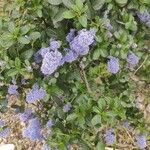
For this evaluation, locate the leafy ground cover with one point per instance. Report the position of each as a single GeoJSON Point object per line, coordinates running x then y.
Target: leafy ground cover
{"type": "Point", "coordinates": [75, 74]}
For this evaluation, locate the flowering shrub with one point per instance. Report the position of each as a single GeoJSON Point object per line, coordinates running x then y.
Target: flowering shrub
{"type": "Point", "coordinates": [74, 60]}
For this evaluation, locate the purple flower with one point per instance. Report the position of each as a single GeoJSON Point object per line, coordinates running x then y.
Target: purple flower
{"type": "Point", "coordinates": [43, 51]}
{"type": "Point", "coordinates": [80, 44]}
{"type": "Point", "coordinates": [4, 133]}
{"type": "Point", "coordinates": [37, 57]}
{"type": "Point", "coordinates": [28, 114]}
{"type": "Point", "coordinates": [33, 130]}
{"type": "Point", "coordinates": [54, 45]}
{"type": "Point", "coordinates": [132, 59]}
{"type": "Point", "coordinates": [126, 124]}
{"type": "Point", "coordinates": [79, 49]}
{"type": "Point", "coordinates": [67, 107]}
{"type": "Point", "coordinates": [113, 65]}
{"type": "Point", "coordinates": [70, 35]}
{"type": "Point", "coordinates": [109, 34]}
{"type": "Point", "coordinates": [46, 147]}
{"type": "Point", "coordinates": [2, 123]}
{"type": "Point", "coordinates": [109, 137]}
{"type": "Point", "coordinates": [70, 56]}
{"type": "Point", "coordinates": [50, 123]}
{"type": "Point", "coordinates": [144, 17]}
{"type": "Point", "coordinates": [109, 26]}
{"type": "Point", "coordinates": [35, 94]}
{"type": "Point", "coordinates": [51, 62]}
{"type": "Point", "coordinates": [12, 89]}
{"type": "Point", "coordinates": [141, 141]}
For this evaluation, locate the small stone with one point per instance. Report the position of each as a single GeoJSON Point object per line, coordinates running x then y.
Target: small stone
{"type": "Point", "coordinates": [7, 147]}
{"type": "Point", "coordinates": [148, 108]}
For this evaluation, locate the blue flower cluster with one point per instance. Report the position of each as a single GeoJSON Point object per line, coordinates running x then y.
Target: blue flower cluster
{"type": "Point", "coordinates": [113, 65]}
{"type": "Point", "coordinates": [113, 62]}
{"type": "Point", "coordinates": [46, 147]}
{"type": "Point", "coordinates": [2, 123]}
{"type": "Point", "coordinates": [4, 132]}
{"type": "Point", "coordinates": [67, 107]}
{"type": "Point", "coordinates": [12, 89]}
{"type": "Point", "coordinates": [51, 61]}
{"type": "Point", "coordinates": [144, 17]}
{"type": "Point", "coordinates": [26, 115]}
{"type": "Point", "coordinates": [50, 123]}
{"type": "Point", "coordinates": [80, 44]}
{"type": "Point", "coordinates": [141, 141]}
{"type": "Point", "coordinates": [33, 130]}
{"type": "Point", "coordinates": [35, 94]}
{"type": "Point", "coordinates": [51, 58]}
{"type": "Point", "coordinates": [110, 137]}
{"type": "Point", "coordinates": [132, 59]}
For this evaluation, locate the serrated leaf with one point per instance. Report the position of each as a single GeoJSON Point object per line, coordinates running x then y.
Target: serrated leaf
{"type": "Point", "coordinates": [24, 40]}
{"type": "Point", "coordinates": [68, 14]}
{"type": "Point", "coordinates": [17, 62]}
{"type": "Point", "coordinates": [96, 120]}
{"type": "Point", "coordinates": [98, 4]}
{"type": "Point", "coordinates": [71, 117]}
{"type": "Point", "coordinates": [79, 4]}
{"type": "Point", "coordinates": [11, 27]}
{"type": "Point", "coordinates": [83, 20]}
{"type": "Point", "coordinates": [6, 40]}
{"type": "Point", "coordinates": [121, 2]}
{"type": "Point", "coordinates": [101, 103]}
{"type": "Point", "coordinates": [35, 35]}
{"type": "Point", "coordinates": [145, 1]}
{"type": "Point", "coordinates": [68, 3]}
{"type": "Point", "coordinates": [27, 54]}
{"type": "Point", "coordinates": [12, 72]}
{"type": "Point", "coordinates": [59, 16]}
{"type": "Point", "coordinates": [55, 2]}
{"type": "Point", "coordinates": [96, 54]}
{"type": "Point", "coordinates": [39, 12]}
{"type": "Point", "coordinates": [25, 29]}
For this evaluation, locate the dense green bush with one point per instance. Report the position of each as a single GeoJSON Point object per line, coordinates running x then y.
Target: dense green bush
{"type": "Point", "coordinates": [97, 87]}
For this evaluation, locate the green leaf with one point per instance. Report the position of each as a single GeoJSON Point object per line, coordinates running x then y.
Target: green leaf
{"type": "Point", "coordinates": [25, 29]}
{"type": "Point", "coordinates": [131, 26]}
{"type": "Point", "coordinates": [11, 27]}
{"type": "Point", "coordinates": [67, 3]}
{"type": "Point", "coordinates": [55, 2]}
{"type": "Point", "coordinates": [17, 63]}
{"type": "Point", "coordinates": [121, 2]}
{"type": "Point", "coordinates": [12, 72]}
{"type": "Point", "coordinates": [100, 146]}
{"type": "Point", "coordinates": [27, 54]}
{"type": "Point", "coordinates": [96, 120]}
{"type": "Point", "coordinates": [101, 103]}
{"type": "Point", "coordinates": [59, 16]}
{"type": "Point", "coordinates": [1, 23]}
{"type": "Point", "coordinates": [6, 40]}
{"type": "Point", "coordinates": [24, 40]}
{"type": "Point", "coordinates": [39, 12]}
{"type": "Point", "coordinates": [35, 35]}
{"type": "Point", "coordinates": [68, 14]}
{"type": "Point", "coordinates": [83, 20]}
{"type": "Point", "coordinates": [96, 54]}
{"type": "Point", "coordinates": [79, 4]}
{"type": "Point", "coordinates": [71, 117]}
{"type": "Point", "coordinates": [98, 4]}
{"type": "Point", "coordinates": [145, 1]}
